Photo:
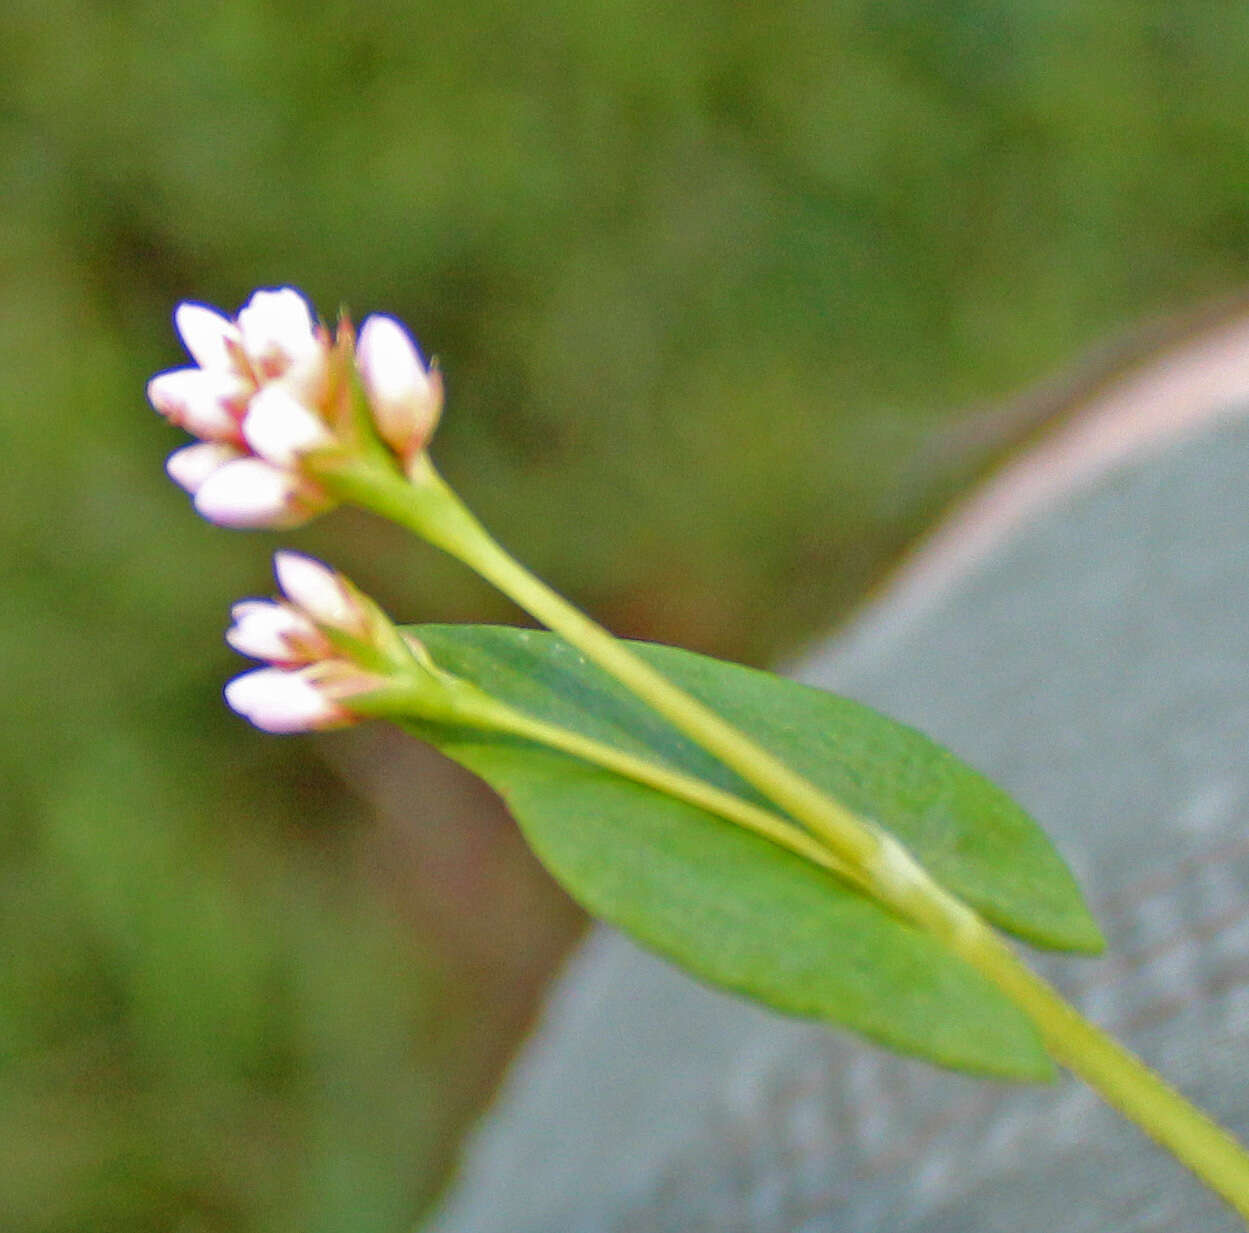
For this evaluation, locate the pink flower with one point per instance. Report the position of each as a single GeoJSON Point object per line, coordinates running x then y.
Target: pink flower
{"type": "Point", "coordinates": [256, 398]}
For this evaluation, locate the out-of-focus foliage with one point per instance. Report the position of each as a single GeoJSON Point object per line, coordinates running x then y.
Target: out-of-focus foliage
{"type": "Point", "coordinates": [706, 280]}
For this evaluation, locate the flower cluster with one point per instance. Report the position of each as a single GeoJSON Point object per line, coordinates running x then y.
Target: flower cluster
{"type": "Point", "coordinates": [274, 400]}
{"type": "Point", "coordinates": [326, 644]}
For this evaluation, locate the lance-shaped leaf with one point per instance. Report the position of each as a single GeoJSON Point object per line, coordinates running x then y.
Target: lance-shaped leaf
{"type": "Point", "coordinates": [734, 908]}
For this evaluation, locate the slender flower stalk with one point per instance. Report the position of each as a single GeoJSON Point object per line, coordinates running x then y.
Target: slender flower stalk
{"type": "Point", "coordinates": [481, 710]}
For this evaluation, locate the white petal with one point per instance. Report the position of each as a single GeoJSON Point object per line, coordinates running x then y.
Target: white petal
{"type": "Point", "coordinates": [205, 333]}
{"type": "Point", "coordinates": [317, 590]}
{"type": "Point", "coordinates": [253, 493]}
{"type": "Point", "coordinates": [191, 467]}
{"type": "Point", "coordinates": [405, 398]}
{"type": "Point", "coordinates": [278, 331]}
{"type": "Point", "coordinates": [206, 402]}
{"type": "Point", "coordinates": [274, 632]}
{"type": "Point", "coordinates": [280, 701]}
{"type": "Point", "coordinates": [281, 429]}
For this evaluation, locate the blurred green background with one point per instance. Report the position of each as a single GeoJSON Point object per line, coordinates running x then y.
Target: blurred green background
{"type": "Point", "coordinates": [730, 299]}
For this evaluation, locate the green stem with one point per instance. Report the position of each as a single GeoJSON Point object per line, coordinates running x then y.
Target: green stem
{"type": "Point", "coordinates": [431, 508]}
{"type": "Point", "coordinates": [696, 792]}
{"type": "Point", "coordinates": [860, 851]}
{"type": "Point", "coordinates": [1121, 1078]}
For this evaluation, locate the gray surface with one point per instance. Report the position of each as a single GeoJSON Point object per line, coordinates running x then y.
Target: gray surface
{"type": "Point", "coordinates": [1098, 667]}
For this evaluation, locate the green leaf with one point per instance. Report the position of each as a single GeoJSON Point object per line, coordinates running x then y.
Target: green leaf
{"type": "Point", "coordinates": [968, 833]}
{"type": "Point", "coordinates": [726, 904]}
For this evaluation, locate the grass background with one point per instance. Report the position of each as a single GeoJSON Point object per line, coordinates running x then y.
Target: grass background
{"type": "Point", "coordinates": [729, 298]}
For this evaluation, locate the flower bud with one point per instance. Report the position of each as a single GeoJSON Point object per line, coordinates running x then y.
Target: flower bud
{"type": "Point", "coordinates": [206, 402]}
{"type": "Point", "coordinates": [276, 632]}
{"type": "Point", "coordinates": [277, 331]}
{"type": "Point", "coordinates": [191, 466]}
{"type": "Point", "coordinates": [277, 700]}
{"type": "Point", "coordinates": [404, 396]}
{"type": "Point", "coordinates": [312, 675]}
{"type": "Point", "coordinates": [280, 429]}
{"type": "Point", "coordinates": [318, 591]}
{"type": "Point", "coordinates": [250, 492]}
{"type": "Point", "coordinates": [207, 335]}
